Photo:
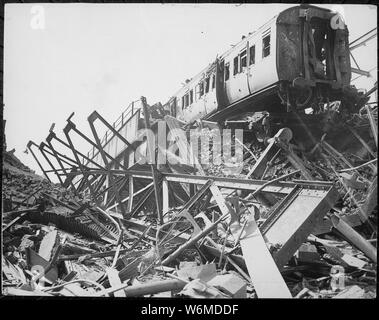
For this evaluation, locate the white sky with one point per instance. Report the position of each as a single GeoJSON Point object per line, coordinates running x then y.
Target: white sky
{"type": "Point", "coordinates": [103, 56]}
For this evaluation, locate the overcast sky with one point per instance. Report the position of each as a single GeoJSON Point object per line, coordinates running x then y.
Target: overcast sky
{"type": "Point", "coordinates": [103, 56]}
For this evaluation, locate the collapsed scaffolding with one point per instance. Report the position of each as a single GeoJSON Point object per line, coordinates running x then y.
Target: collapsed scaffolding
{"type": "Point", "coordinates": [268, 225]}
{"type": "Point", "coordinates": [186, 208]}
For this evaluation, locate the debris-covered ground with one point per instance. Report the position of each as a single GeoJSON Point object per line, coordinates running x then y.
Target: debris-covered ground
{"type": "Point", "coordinates": [58, 243]}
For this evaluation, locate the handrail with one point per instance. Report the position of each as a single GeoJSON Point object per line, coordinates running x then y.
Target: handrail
{"type": "Point", "coordinates": [128, 112]}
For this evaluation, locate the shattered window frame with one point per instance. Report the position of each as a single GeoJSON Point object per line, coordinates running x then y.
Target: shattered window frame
{"type": "Point", "coordinates": [235, 65]}
{"type": "Point", "coordinates": [252, 55]}
{"type": "Point", "coordinates": [201, 89]}
{"type": "Point", "coordinates": [243, 60]}
{"type": "Point", "coordinates": [266, 47]}
{"type": "Point", "coordinates": [227, 71]}
{"type": "Point", "coordinates": [207, 83]}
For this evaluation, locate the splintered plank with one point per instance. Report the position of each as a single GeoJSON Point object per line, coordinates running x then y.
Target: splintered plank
{"type": "Point", "coordinates": [114, 281]}
{"type": "Point", "coordinates": [48, 244]}
{"type": "Point", "coordinates": [265, 275]}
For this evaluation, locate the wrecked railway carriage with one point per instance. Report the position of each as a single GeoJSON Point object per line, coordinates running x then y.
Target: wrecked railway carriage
{"type": "Point", "coordinates": [294, 217]}
{"type": "Point", "coordinates": [297, 60]}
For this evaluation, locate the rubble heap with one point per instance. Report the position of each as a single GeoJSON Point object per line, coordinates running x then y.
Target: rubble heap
{"type": "Point", "coordinates": [295, 222]}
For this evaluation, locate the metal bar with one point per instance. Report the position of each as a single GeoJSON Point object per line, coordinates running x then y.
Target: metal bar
{"type": "Point", "coordinates": [360, 166]}
{"type": "Point", "coordinates": [78, 152]}
{"type": "Point", "coordinates": [153, 166]}
{"type": "Point", "coordinates": [360, 72]}
{"type": "Point", "coordinates": [127, 121]}
{"type": "Point", "coordinates": [227, 183]}
{"type": "Point", "coordinates": [48, 140]}
{"type": "Point", "coordinates": [106, 163]}
{"type": "Point", "coordinates": [165, 196]}
{"type": "Point", "coordinates": [70, 125]}
{"type": "Point", "coordinates": [367, 147]}
{"type": "Point", "coordinates": [59, 160]}
{"type": "Point", "coordinates": [131, 194]}
{"type": "Point", "coordinates": [351, 55]}
{"type": "Point", "coordinates": [184, 211]}
{"type": "Point", "coordinates": [373, 125]}
{"type": "Point", "coordinates": [123, 180]}
{"type": "Point", "coordinates": [364, 35]}
{"type": "Point", "coordinates": [30, 143]}
{"type": "Point", "coordinates": [141, 202]}
{"type": "Point", "coordinates": [41, 148]}
{"type": "Point", "coordinates": [135, 193]}
{"type": "Point", "coordinates": [95, 115]}
{"type": "Point", "coordinates": [363, 42]}
{"type": "Point", "coordinates": [66, 131]}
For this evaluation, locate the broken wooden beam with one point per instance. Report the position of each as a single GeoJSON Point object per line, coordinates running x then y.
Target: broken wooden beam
{"type": "Point", "coordinates": [154, 287]}
{"type": "Point", "coordinates": [264, 273]}
{"type": "Point", "coordinates": [355, 238]}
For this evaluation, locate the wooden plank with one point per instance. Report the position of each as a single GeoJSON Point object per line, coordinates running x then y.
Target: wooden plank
{"type": "Point", "coordinates": [131, 194]}
{"type": "Point", "coordinates": [47, 245]}
{"type": "Point", "coordinates": [114, 281]}
{"type": "Point", "coordinates": [165, 195]}
{"type": "Point", "coordinates": [265, 275]}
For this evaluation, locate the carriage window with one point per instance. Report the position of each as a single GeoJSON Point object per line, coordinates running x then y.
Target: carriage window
{"type": "Point", "coordinates": [207, 85]}
{"type": "Point", "coordinates": [243, 62]}
{"type": "Point", "coordinates": [186, 100]}
{"type": "Point", "coordinates": [266, 46]}
{"type": "Point", "coordinates": [201, 87]}
{"type": "Point", "coordinates": [235, 65]}
{"type": "Point", "coordinates": [191, 96]}
{"type": "Point", "coordinates": [213, 81]}
{"type": "Point", "coordinates": [227, 72]}
{"type": "Point", "coordinates": [252, 55]}
{"type": "Point", "coordinates": [182, 102]}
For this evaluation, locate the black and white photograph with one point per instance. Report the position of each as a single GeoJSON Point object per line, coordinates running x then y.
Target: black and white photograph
{"type": "Point", "coordinates": [181, 151]}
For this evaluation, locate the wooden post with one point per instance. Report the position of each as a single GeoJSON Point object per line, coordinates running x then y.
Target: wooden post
{"type": "Point", "coordinates": [131, 194]}
{"type": "Point", "coordinates": [165, 196]}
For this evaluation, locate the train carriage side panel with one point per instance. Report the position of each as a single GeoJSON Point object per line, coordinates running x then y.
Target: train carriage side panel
{"type": "Point", "coordinates": [313, 47]}
{"type": "Point", "coordinates": [263, 72]}
{"type": "Point", "coordinates": [198, 97]}
{"type": "Point", "coordinates": [259, 70]}
{"type": "Point", "coordinates": [289, 45]}
{"type": "Point", "coordinates": [236, 86]}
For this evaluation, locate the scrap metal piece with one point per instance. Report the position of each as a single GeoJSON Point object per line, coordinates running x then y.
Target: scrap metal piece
{"type": "Point", "coordinates": [301, 211]}
{"type": "Point", "coordinates": [264, 273]}
{"type": "Point", "coordinates": [355, 238]}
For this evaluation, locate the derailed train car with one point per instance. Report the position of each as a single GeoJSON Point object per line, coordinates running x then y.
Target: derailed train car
{"type": "Point", "coordinates": [298, 59]}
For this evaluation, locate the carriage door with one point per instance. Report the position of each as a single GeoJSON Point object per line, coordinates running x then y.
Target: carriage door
{"type": "Point", "coordinates": [248, 67]}
{"type": "Point", "coordinates": [221, 97]}
{"type": "Point", "coordinates": [172, 104]}
{"type": "Point", "coordinates": [239, 87]}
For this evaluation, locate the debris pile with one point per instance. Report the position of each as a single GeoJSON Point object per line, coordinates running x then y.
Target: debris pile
{"type": "Point", "coordinates": [294, 222]}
